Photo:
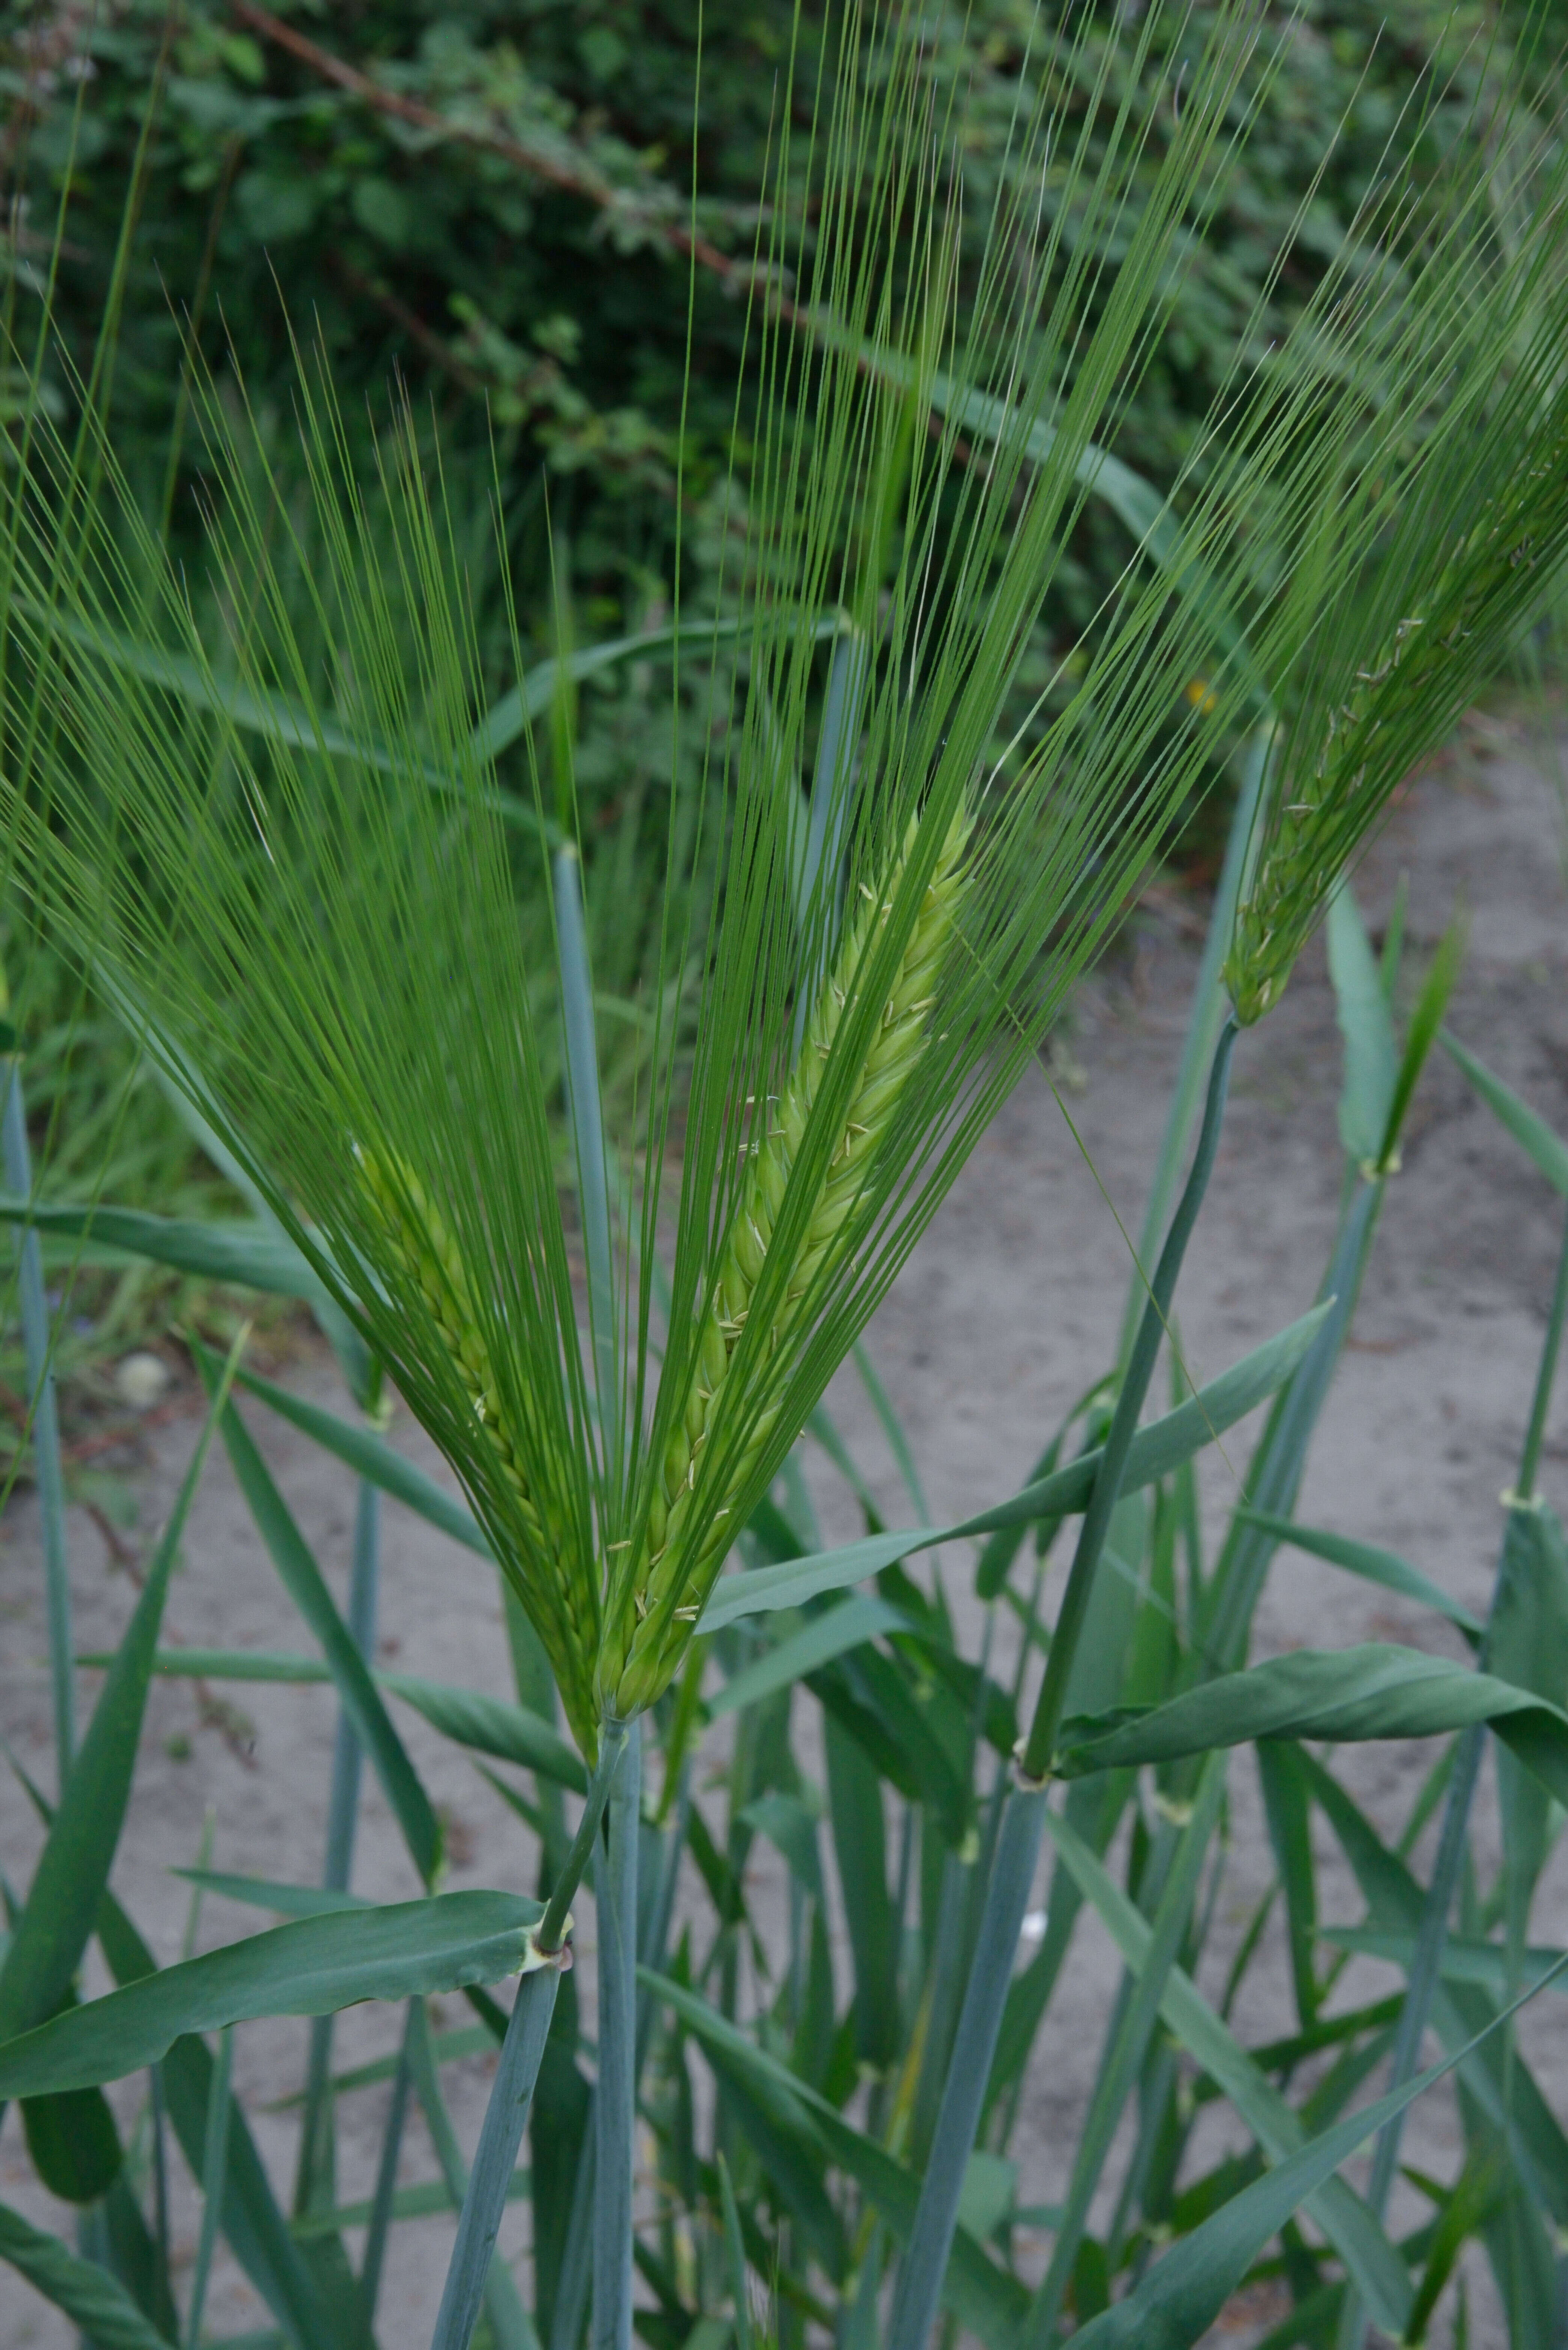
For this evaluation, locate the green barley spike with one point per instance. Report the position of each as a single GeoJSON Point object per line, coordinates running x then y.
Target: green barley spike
{"type": "Point", "coordinates": [431, 1259]}
{"type": "Point", "coordinates": [690, 1529]}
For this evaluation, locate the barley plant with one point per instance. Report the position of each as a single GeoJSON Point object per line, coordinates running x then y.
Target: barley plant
{"type": "Point", "coordinates": [257, 793]}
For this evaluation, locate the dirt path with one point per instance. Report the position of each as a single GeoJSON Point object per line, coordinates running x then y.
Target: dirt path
{"type": "Point", "coordinates": [1008, 1308]}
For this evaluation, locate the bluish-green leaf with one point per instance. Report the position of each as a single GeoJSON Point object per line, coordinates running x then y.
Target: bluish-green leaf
{"type": "Point", "coordinates": [250, 1255]}
{"type": "Point", "coordinates": [372, 1456]}
{"type": "Point", "coordinates": [1371, 1055]}
{"type": "Point", "coordinates": [1385, 1567]}
{"type": "Point", "coordinates": [1341, 2213]}
{"type": "Point", "coordinates": [1156, 1450]}
{"type": "Point", "coordinates": [228, 1665]}
{"type": "Point", "coordinates": [1530, 1132]}
{"type": "Point", "coordinates": [980, 2296]}
{"type": "Point", "coordinates": [51, 1934]}
{"type": "Point", "coordinates": [312, 1967]}
{"type": "Point", "coordinates": [94, 2301]}
{"type": "Point", "coordinates": [490, 1725]}
{"type": "Point", "coordinates": [265, 1893]}
{"type": "Point", "coordinates": [1339, 1694]}
{"type": "Point", "coordinates": [827, 1636]}
{"type": "Point", "coordinates": [1464, 1958]}
{"type": "Point", "coordinates": [303, 1580]}
{"type": "Point", "coordinates": [1182, 2293]}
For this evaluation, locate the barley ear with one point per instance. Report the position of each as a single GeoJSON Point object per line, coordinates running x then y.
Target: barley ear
{"type": "Point", "coordinates": [691, 1523]}
{"type": "Point", "coordinates": [540, 1558]}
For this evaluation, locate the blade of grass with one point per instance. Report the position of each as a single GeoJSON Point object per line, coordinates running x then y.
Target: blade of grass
{"type": "Point", "coordinates": [315, 2177]}
{"type": "Point", "coordinates": [983, 2296]}
{"type": "Point", "coordinates": [1340, 1695]}
{"type": "Point", "coordinates": [1182, 2295]}
{"type": "Point", "coordinates": [51, 1934]}
{"type": "Point", "coordinates": [483, 2194]}
{"type": "Point", "coordinates": [918, 2291]}
{"type": "Point", "coordinates": [614, 2097]}
{"type": "Point", "coordinates": [311, 1966]}
{"type": "Point", "coordinates": [81, 2290]}
{"type": "Point", "coordinates": [1336, 2207]}
{"type": "Point", "coordinates": [214, 2178]}
{"type": "Point", "coordinates": [489, 2184]}
{"type": "Point", "coordinates": [1384, 1567]}
{"type": "Point", "coordinates": [488, 1725]}
{"type": "Point", "coordinates": [372, 1456]}
{"type": "Point", "coordinates": [1530, 1132]}
{"type": "Point", "coordinates": [1124, 2057]}
{"type": "Point", "coordinates": [1453, 1842]}
{"type": "Point", "coordinates": [43, 1422]}
{"type": "Point", "coordinates": [507, 2319]}
{"type": "Point", "coordinates": [1425, 1021]}
{"type": "Point", "coordinates": [301, 1579]}
{"type": "Point", "coordinates": [1153, 1453]}
{"type": "Point", "coordinates": [249, 1255]}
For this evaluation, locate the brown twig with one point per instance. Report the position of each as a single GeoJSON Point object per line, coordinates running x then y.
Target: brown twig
{"type": "Point", "coordinates": [736, 275]}
{"type": "Point", "coordinates": [576, 179]}
{"type": "Point", "coordinates": [413, 325]}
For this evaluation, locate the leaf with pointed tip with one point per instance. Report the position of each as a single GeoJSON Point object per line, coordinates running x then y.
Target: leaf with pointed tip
{"type": "Point", "coordinates": [1338, 1694]}
{"type": "Point", "coordinates": [1530, 1132]}
{"type": "Point", "coordinates": [980, 2296]}
{"type": "Point", "coordinates": [1181, 2296]}
{"type": "Point", "coordinates": [370, 1456]}
{"type": "Point", "coordinates": [68, 1883]}
{"type": "Point", "coordinates": [817, 1643]}
{"type": "Point", "coordinates": [301, 1579]}
{"type": "Point", "coordinates": [1374, 1566]}
{"type": "Point", "coordinates": [247, 1255]}
{"type": "Point", "coordinates": [1343, 2217]}
{"type": "Point", "coordinates": [1464, 1960]}
{"type": "Point", "coordinates": [1156, 1450]}
{"type": "Point", "coordinates": [490, 1725]}
{"type": "Point", "coordinates": [267, 1893]}
{"type": "Point", "coordinates": [313, 1966]}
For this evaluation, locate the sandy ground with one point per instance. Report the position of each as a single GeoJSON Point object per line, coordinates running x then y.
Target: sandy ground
{"type": "Point", "coordinates": [1010, 1303]}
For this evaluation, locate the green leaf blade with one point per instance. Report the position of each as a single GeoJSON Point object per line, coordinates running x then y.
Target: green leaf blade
{"type": "Point", "coordinates": [314, 1966]}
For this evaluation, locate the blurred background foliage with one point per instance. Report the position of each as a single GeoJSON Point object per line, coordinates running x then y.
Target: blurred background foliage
{"type": "Point", "coordinates": [530, 211]}
{"type": "Point", "coordinates": [497, 200]}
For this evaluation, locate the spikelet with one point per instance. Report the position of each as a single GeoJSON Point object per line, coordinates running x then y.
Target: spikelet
{"type": "Point", "coordinates": [1480, 585]}
{"type": "Point", "coordinates": [560, 1603]}
{"type": "Point", "coordinates": [690, 1528]}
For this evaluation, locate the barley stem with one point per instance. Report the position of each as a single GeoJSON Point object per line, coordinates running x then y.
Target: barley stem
{"type": "Point", "coordinates": [1018, 1847]}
